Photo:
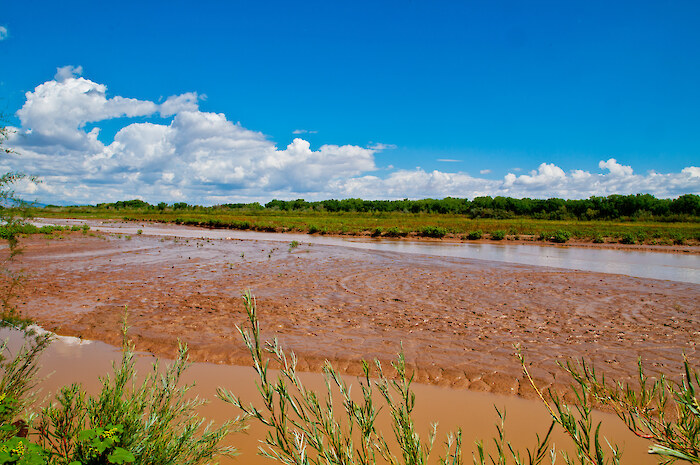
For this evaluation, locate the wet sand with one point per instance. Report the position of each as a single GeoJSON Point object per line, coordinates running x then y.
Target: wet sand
{"type": "Point", "coordinates": [456, 319]}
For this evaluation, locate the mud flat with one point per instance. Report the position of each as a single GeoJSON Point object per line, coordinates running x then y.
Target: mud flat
{"type": "Point", "coordinates": [457, 319]}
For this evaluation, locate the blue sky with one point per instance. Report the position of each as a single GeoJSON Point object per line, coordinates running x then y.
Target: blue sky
{"type": "Point", "coordinates": [410, 99]}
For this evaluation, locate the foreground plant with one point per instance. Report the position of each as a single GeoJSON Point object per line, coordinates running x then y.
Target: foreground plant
{"type": "Point", "coordinates": [17, 380]}
{"type": "Point", "coordinates": [147, 422]}
{"type": "Point", "coordinates": [664, 412]}
{"type": "Point", "coordinates": [306, 427]}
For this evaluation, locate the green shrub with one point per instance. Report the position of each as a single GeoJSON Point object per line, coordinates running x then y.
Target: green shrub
{"type": "Point", "coordinates": [475, 235]}
{"type": "Point", "coordinates": [18, 379]}
{"type": "Point", "coordinates": [395, 232]}
{"type": "Point", "coordinates": [153, 420]}
{"type": "Point", "coordinates": [628, 238]}
{"type": "Point", "coordinates": [433, 231]}
{"type": "Point", "coordinates": [678, 239]}
{"type": "Point", "coordinates": [598, 239]}
{"type": "Point", "coordinates": [313, 229]}
{"type": "Point", "coordinates": [498, 235]}
{"type": "Point", "coordinates": [560, 236]}
{"type": "Point", "coordinates": [377, 232]}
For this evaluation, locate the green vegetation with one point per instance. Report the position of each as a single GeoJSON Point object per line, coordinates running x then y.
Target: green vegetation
{"type": "Point", "coordinates": [655, 229]}
{"type": "Point", "coordinates": [498, 235]}
{"type": "Point", "coordinates": [308, 427]}
{"type": "Point", "coordinates": [628, 238]}
{"type": "Point", "coordinates": [433, 231]}
{"type": "Point", "coordinates": [475, 235]}
{"type": "Point", "coordinates": [16, 229]}
{"type": "Point", "coordinates": [151, 421]}
{"type": "Point", "coordinates": [639, 207]}
{"type": "Point", "coordinates": [560, 236]}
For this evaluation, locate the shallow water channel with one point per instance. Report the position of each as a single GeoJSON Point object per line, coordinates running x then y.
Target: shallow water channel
{"type": "Point", "coordinates": [71, 360]}
{"type": "Point", "coordinates": [641, 264]}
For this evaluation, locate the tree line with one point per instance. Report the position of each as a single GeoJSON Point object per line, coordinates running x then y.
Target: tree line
{"type": "Point", "coordinates": [639, 206]}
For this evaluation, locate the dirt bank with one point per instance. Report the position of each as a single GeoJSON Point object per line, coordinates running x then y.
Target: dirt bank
{"type": "Point", "coordinates": [457, 319]}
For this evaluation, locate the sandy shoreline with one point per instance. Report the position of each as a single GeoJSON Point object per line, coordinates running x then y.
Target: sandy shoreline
{"type": "Point", "coordinates": [457, 319]}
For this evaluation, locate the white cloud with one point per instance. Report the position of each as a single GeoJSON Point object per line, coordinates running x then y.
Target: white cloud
{"type": "Point", "coordinates": [178, 103]}
{"type": "Point", "coordinates": [548, 174]}
{"type": "Point", "coordinates": [67, 72]}
{"type": "Point", "coordinates": [184, 154]}
{"type": "Point", "coordinates": [3, 33]}
{"type": "Point", "coordinates": [303, 131]}
{"type": "Point", "coordinates": [692, 171]}
{"type": "Point", "coordinates": [56, 112]}
{"type": "Point", "coordinates": [615, 168]}
{"type": "Point", "coordinates": [448, 160]}
{"type": "Point", "coordinates": [194, 155]}
{"type": "Point", "coordinates": [380, 146]}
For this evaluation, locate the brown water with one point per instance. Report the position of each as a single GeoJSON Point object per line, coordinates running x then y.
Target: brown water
{"type": "Point", "coordinates": [69, 360]}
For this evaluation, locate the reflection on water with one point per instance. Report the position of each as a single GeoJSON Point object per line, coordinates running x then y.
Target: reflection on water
{"type": "Point", "coordinates": [641, 264]}
{"type": "Point", "coordinates": [67, 361]}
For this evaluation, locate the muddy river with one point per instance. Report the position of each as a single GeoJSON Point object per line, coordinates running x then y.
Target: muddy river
{"type": "Point", "coordinates": [70, 360]}
{"type": "Point", "coordinates": [641, 264]}
{"type": "Point", "coordinates": [456, 311]}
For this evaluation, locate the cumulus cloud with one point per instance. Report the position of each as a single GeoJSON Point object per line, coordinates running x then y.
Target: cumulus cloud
{"type": "Point", "coordinates": [56, 112]}
{"type": "Point", "coordinates": [178, 103]}
{"type": "Point", "coordinates": [484, 171]}
{"type": "Point", "coordinates": [180, 153]}
{"type": "Point", "coordinates": [3, 33]}
{"type": "Point", "coordinates": [303, 131]}
{"type": "Point", "coordinates": [615, 168]}
{"type": "Point", "coordinates": [67, 72]}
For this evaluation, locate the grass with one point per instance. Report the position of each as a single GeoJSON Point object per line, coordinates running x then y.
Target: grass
{"type": "Point", "coordinates": [396, 224]}
{"type": "Point", "coordinates": [19, 229]}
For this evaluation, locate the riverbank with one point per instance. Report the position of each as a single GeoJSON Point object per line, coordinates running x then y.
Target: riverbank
{"type": "Point", "coordinates": [658, 235]}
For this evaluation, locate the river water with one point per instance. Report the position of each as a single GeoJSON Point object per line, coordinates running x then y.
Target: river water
{"type": "Point", "coordinates": [641, 264]}
{"type": "Point", "coordinates": [71, 360]}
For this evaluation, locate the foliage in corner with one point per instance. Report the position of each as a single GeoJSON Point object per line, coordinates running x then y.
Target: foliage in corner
{"type": "Point", "coordinates": [146, 423]}
{"type": "Point", "coordinates": [658, 410]}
